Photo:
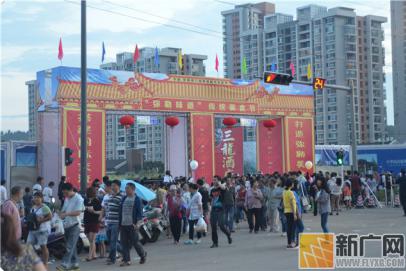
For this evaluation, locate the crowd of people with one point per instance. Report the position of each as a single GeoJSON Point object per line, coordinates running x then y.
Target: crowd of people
{"type": "Point", "coordinates": [267, 202]}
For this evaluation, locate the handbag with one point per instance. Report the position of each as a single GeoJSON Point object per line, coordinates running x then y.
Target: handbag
{"type": "Point", "coordinates": [305, 200]}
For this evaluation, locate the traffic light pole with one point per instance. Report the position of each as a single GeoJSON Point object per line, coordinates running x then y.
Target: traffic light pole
{"type": "Point", "coordinates": [353, 134]}
{"type": "Point", "coordinates": [83, 106]}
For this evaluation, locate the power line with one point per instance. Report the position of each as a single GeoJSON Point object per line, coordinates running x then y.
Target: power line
{"type": "Point", "coordinates": [165, 18]}
{"type": "Point", "coordinates": [146, 20]}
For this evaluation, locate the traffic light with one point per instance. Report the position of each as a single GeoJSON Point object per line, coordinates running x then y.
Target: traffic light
{"type": "Point", "coordinates": [277, 78]}
{"type": "Point", "coordinates": [318, 83]}
{"type": "Point", "coordinates": [340, 157]}
{"type": "Point", "coordinates": [68, 156]}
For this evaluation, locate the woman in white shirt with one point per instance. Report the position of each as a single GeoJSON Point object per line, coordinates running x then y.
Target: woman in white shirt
{"type": "Point", "coordinates": [194, 212]}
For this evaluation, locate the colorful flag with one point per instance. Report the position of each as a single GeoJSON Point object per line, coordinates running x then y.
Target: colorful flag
{"type": "Point", "coordinates": [180, 63]}
{"type": "Point", "coordinates": [60, 50]}
{"type": "Point", "coordinates": [156, 58]}
{"type": "Point", "coordinates": [244, 66]}
{"type": "Point", "coordinates": [136, 54]}
{"type": "Point", "coordinates": [216, 65]}
{"type": "Point", "coordinates": [292, 69]}
{"type": "Point", "coordinates": [103, 52]}
{"type": "Point", "coordinates": [309, 72]}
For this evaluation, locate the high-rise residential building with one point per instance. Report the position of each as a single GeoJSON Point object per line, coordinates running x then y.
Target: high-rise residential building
{"type": "Point", "coordinates": [193, 64]}
{"type": "Point", "coordinates": [32, 108]}
{"type": "Point", "coordinates": [340, 47]}
{"type": "Point", "coordinates": [242, 30]}
{"type": "Point", "coordinates": [141, 136]}
{"type": "Point", "coordinates": [398, 24]}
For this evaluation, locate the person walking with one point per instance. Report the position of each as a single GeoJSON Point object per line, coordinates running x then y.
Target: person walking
{"type": "Point", "coordinates": [336, 191]}
{"type": "Point", "coordinates": [39, 236]}
{"type": "Point", "coordinates": [264, 187]}
{"type": "Point", "coordinates": [70, 214]}
{"type": "Point", "coordinates": [174, 203]}
{"type": "Point", "coordinates": [60, 193]}
{"type": "Point", "coordinates": [10, 207]}
{"type": "Point", "coordinates": [194, 212]}
{"type": "Point", "coordinates": [91, 220]}
{"type": "Point", "coordinates": [299, 211]}
{"type": "Point", "coordinates": [290, 210]}
{"type": "Point", "coordinates": [402, 189]}
{"type": "Point", "coordinates": [253, 198]}
{"type": "Point", "coordinates": [240, 203]}
{"type": "Point", "coordinates": [112, 220]}
{"type": "Point", "coordinates": [27, 199]}
{"type": "Point", "coordinates": [37, 187]}
{"type": "Point", "coordinates": [130, 214]}
{"type": "Point", "coordinates": [3, 192]}
{"type": "Point", "coordinates": [275, 197]}
{"type": "Point", "coordinates": [217, 215]}
{"type": "Point", "coordinates": [323, 202]}
{"type": "Point", "coordinates": [186, 202]}
{"type": "Point", "coordinates": [48, 194]}
{"type": "Point", "coordinates": [14, 255]}
{"type": "Point", "coordinates": [229, 202]}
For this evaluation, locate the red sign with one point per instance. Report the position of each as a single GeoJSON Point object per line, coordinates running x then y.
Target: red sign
{"type": "Point", "coordinates": [95, 145]}
{"type": "Point", "coordinates": [229, 151]}
{"type": "Point", "coordinates": [270, 149]}
{"type": "Point", "coordinates": [300, 143]}
{"type": "Point", "coordinates": [202, 142]}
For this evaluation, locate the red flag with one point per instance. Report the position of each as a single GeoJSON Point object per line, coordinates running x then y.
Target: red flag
{"type": "Point", "coordinates": [292, 68]}
{"type": "Point", "coordinates": [217, 64]}
{"type": "Point", "coordinates": [60, 50]}
{"type": "Point", "coordinates": [136, 54]}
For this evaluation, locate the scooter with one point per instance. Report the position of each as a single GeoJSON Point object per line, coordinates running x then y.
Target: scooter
{"type": "Point", "coordinates": [152, 225]}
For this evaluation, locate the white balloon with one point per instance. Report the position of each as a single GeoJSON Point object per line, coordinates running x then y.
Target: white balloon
{"type": "Point", "coordinates": [308, 164]}
{"type": "Point", "coordinates": [194, 164]}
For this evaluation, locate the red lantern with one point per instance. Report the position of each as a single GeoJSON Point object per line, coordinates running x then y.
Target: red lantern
{"type": "Point", "coordinates": [172, 121]}
{"type": "Point", "coordinates": [127, 121]}
{"type": "Point", "coordinates": [229, 121]}
{"type": "Point", "coordinates": [269, 123]}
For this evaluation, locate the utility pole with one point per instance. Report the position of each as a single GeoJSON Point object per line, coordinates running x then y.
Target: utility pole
{"type": "Point", "coordinates": [83, 106]}
{"type": "Point", "coordinates": [353, 130]}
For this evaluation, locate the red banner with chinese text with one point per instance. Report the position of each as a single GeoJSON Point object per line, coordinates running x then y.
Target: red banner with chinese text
{"type": "Point", "coordinates": [229, 151]}
{"type": "Point", "coordinates": [202, 135]}
{"type": "Point", "coordinates": [95, 145]}
{"type": "Point", "coordinates": [300, 143]}
{"type": "Point", "coordinates": [270, 148]}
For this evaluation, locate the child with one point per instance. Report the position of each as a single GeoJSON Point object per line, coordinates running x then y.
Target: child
{"type": "Point", "coordinates": [347, 195]}
{"type": "Point", "coordinates": [101, 238]}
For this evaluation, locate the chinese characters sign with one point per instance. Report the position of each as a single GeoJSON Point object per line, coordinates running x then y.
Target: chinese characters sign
{"type": "Point", "coordinates": [270, 149]}
{"type": "Point", "coordinates": [229, 151]}
{"type": "Point", "coordinates": [198, 106]}
{"type": "Point", "coordinates": [300, 143]}
{"type": "Point", "coordinates": [95, 145]}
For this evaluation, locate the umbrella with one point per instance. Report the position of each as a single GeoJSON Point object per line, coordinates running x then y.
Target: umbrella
{"type": "Point", "coordinates": [141, 191]}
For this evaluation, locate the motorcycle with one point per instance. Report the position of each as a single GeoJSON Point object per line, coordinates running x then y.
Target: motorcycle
{"type": "Point", "coordinates": [56, 240]}
{"type": "Point", "coordinates": [152, 225]}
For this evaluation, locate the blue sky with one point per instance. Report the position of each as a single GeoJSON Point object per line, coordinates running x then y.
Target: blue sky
{"type": "Point", "coordinates": [30, 32]}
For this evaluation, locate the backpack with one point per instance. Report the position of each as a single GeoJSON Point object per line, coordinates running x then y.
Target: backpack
{"type": "Point", "coordinates": [32, 221]}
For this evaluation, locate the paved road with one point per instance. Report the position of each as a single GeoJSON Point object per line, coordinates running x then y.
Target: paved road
{"type": "Point", "coordinates": [262, 251]}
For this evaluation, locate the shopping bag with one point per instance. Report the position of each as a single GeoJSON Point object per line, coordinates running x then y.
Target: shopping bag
{"type": "Point", "coordinates": [201, 225]}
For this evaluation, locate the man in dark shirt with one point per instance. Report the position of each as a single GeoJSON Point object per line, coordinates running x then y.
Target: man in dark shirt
{"type": "Point", "coordinates": [355, 186]}
{"type": "Point", "coordinates": [402, 189]}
